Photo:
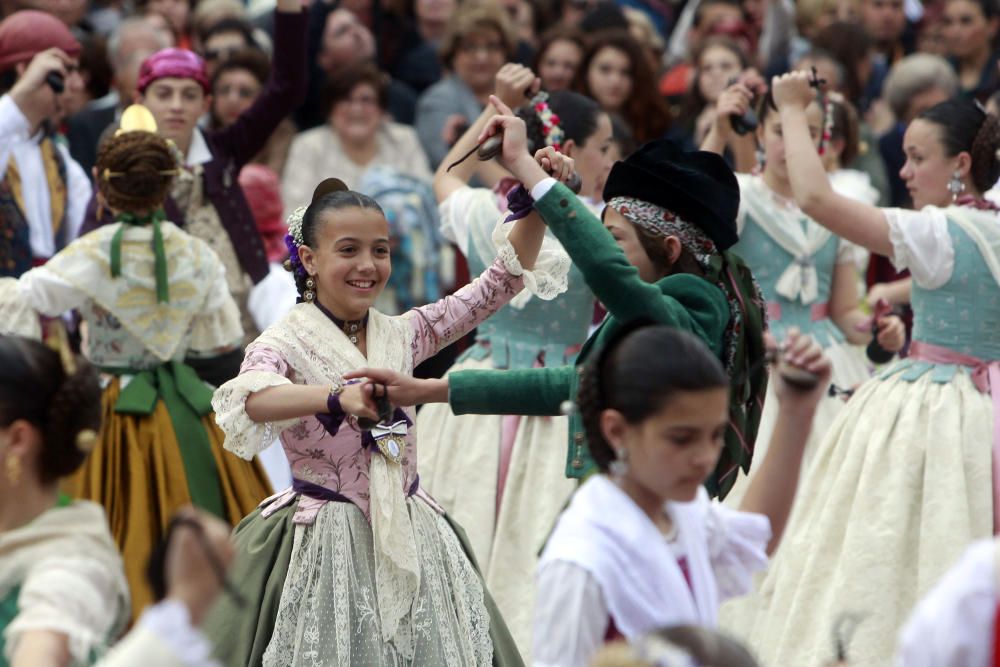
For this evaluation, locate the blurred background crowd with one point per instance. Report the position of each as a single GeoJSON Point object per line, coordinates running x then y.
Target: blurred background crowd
{"type": "Point", "coordinates": [393, 83]}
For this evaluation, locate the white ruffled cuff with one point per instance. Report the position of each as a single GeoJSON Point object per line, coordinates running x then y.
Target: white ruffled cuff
{"type": "Point", "coordinates": [549, 277]}
{"type": "Point", "coordinates": [218, 328]}
{"type": "Point", "coordinates": [737, 548]}
{"type": "Point", "coordinates": [245, 437]}
{"type": "Point", "coordinates": [170, 622]}
{"type": "Point", "coordinates": [17, 318]}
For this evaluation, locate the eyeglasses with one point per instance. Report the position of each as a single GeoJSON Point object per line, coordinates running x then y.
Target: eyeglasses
{"type": "Point", "coordinates": [487, 48]}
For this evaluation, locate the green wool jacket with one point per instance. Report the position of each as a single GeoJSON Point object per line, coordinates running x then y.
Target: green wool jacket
{"type": "Point", "coordinates": [684, 301]}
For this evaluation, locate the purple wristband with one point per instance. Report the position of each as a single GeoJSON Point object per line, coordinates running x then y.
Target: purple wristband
{"type": "Point", "coordinates": [519, 203]}
{"type": "Point", "coordinates": [335, 414]}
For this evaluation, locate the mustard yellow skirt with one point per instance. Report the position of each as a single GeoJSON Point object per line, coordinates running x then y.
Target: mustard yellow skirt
{"type": "Point", "coordinates": [137, 473]}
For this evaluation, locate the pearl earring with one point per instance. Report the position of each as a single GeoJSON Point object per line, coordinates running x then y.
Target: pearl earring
{"type": "Point", "coordinates": [955, 185]}
{"type": "Point", "coordinates": [619, 467]}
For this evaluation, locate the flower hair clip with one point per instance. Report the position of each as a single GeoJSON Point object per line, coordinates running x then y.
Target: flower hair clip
{"type": "Point", "coordinates": [554, 135]}
{"type": "Point", "coordinates": [295, 224]}
{"type": "Point", "coordinates": [293, 239]}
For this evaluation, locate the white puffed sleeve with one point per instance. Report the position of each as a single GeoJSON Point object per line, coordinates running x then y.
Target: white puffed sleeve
{"type": "Point", "coordinates": [737, 547]}
{"type": "Point", "coordinates": [953, 624]}
{"type": "Point", "coordinates": [571, 618]}
{"type": "Point", "coordinates": [922, 244]}
{"type": "Point", "coordinates": [48, 293]}
{"type": "Point", "coordinates": [17, 318]}
{"type": "Point", "coordinates": [262, 368]}
{"type": "Point", "coordinates": [78, 596]}
{"type": "Point", "coordinates": [462, 211]}
{"type": "Point", "coordinates": [218, 324]}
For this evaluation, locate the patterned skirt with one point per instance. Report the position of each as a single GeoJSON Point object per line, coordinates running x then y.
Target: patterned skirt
{"type": "Point", "coordinates": [898, 487]}
{"type": "Point", "coordinates": [312, 598]}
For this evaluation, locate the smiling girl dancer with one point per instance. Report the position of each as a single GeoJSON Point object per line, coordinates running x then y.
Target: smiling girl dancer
{"type": "Point", "coordinates": [901, 482]}
{"type": "Point", "coordinates": [354, 564]}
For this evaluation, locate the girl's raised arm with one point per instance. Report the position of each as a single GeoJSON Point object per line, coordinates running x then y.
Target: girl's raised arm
{"type": "Point", "coordinates": [860, 223]}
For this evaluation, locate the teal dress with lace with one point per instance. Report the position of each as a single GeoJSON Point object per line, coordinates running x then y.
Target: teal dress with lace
{"type": "Point", "coordinates": [903, 480]}
{"type": "Point", "coordinates": [502, 478]}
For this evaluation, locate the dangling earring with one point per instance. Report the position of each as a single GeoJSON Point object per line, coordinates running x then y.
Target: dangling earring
{"type": "Point", "coordinates": [13, 469]}
{"type": "Point", "coordinates": [761, 157]}
{"type": "Point", "coordinates": [955, 185]}
{"type": "Point", "coordinates": [619, 467]}
{"type": "Point", "coordinates": [310, 292]}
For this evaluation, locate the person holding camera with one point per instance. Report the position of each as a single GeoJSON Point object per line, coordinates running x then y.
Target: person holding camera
{"type": "Point", "coordinates": [43, 191]}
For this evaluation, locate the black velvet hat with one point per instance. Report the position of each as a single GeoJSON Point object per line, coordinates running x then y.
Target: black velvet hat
{"type": "Point", "coordinates": [698, 186]}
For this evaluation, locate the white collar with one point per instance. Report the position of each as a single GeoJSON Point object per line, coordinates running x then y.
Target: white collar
{"type": "Point", "coordinates": [605, 533]}
{"type": "Point", "coordinates": [198, 152]}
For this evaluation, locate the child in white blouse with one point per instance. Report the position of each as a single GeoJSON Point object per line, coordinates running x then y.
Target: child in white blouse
{"type": "Point", "coordinates": [641, 546]}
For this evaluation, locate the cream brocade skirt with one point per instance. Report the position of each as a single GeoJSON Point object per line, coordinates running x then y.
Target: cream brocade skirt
{"type": "Point", "coordinates": [850, 368]}
{"type": "Point", "coordinates": [459, 464]}
{"type": "Point", "coordinates": [897, 489]}
{"type": "Point", "coordinates": [328, 613]}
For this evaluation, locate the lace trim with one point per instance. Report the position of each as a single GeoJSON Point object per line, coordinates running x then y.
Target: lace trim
{"type": "Point", "coordinates": [318, 352]}
{"type": "Point", "coordinates": [329, 610]}
{"type": "Point", "coordinates": [217, 329]}
{"type": "Point", "coordinates": [547, 280]}
{"type": "Point", "coordinates": [245, 437]}
{"type": "Point", "coordinates": [162, 327]}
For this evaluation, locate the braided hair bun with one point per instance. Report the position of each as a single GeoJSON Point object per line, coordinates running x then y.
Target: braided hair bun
{"type": "Point", "coordinates": [65, 408]}
{"type": "Point", "coordinates": [985, 165]}
{"type": "Point", "coordinates": [135, 171]}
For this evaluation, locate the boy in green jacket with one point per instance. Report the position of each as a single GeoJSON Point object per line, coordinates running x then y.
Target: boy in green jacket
{"type": "Point", "coordinates": [660, 254]}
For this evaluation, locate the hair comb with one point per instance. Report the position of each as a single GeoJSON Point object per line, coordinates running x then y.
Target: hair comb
{"type": "Point", "coordinates": [136, 118]}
